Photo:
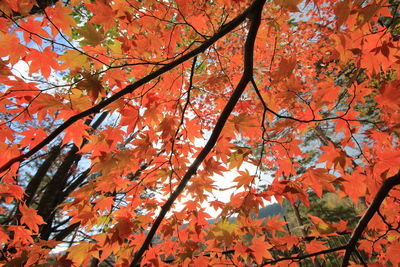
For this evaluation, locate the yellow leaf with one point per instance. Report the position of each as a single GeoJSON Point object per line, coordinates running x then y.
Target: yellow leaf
{"type": "Point", "coordinates": [79, 101]}
{"type": "Point", "coordinates": [224, 231]}
{"type": "Point", "coordinates": [321, 226]}
{"type": "Point", "coordinates": [223, 227]}
{"type": "Point", "coordinates": [82, 253]}
{"type": "Point", "coordinates": [74, 60]}
{"type": "Point", "coordinates": [115, 47]}
{"type": "Point", "coordinates": [91, 35]}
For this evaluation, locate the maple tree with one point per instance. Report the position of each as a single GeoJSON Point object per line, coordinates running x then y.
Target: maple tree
{"type": "Point", "coordinates": [131, 113]}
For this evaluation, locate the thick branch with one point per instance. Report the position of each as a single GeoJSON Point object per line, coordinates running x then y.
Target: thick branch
{"type": "Point", "coordinates": [51, 197]}
{"type": "Point", "coordinates": [40, 174]}
{"type": "Point", "coordinates": [77, 182]}
{"type": "Point", "coordinates": [66, 231]}
{"type": "Point", "coordinates": [227, 28]}
{"type": "Point", "coordinates": [256, 10]}
{"type": "Point", "coordinates": [387, 185]}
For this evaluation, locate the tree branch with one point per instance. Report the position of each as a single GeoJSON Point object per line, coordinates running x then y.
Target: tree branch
{"type": "Point", "coordinates": [36, 180]}
{"type": "Point", "coordinates": [387, 185]}
{"type": "Point", "coordinates": [302, 257]}
{"type": "Point", "coordinates": [227, 28]}
{"type": "Point", "coordinates": [256, 10]}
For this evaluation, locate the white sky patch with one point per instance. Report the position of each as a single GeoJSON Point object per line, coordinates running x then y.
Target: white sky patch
{"type": "Point", "coordinates": [21, 69]}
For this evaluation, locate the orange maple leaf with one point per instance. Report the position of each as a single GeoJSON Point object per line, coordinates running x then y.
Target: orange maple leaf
{"type": "Point", "coordinates": [244, 179]}
{"type": "Point", "coordinates": [260, 248]}
{"type": "Point", "coordinates": [30, 218]}
{"type": "Point", "coordinates": [60, 17]}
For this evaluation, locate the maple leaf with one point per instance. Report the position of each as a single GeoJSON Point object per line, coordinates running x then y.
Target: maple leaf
{"type": "Point", "coordinates": [21, 234]}
{"type": "Point", "coordinates": [389, 95]}
{"type": "Point", "coordinates": [192, 205]}
{"type": "Point", "coordinates": [47, 104]}
{"type": "Point", "coordinates": [74, 60]}
{"type": "Point", "coordinates": [9, 152]}
{"type": "Point", "coordinates": [319, 179]}
{"type": "Point", "coordinates": [60, 17]}
{"type": "Point", "coordinates": [3, 236]}
{"type": "Point", "coordinates": [43, 61]}
{"type": "Point", "coordinates": [243, 121]}
{"type": "Point", "coordinates": [103, 14]}
{"type": "Point", "coordinates": [30, 218]}
{"type": "Point", "coordinates": [244, 179]}
{"type": "Point", "coordinates": [76, 133]}
{"type": "Point", "coordinates": [285, 69]}
{"type": "Point", "coordinates": [92, 85]}
{"type": "Point", "coordinates": [366, 13]}
{"type": "Point", "coordinates": [260, 248]}
{"type": "Point", "coordinates": [274, 224]}
{"type": "Point", "coordinates": [79, 101]}
{"type": "Point", "coordinates": [315, 245]}
{"type": "Point", "coordinates": [216, 204]}
{"type": "Point", "coordinates": [10, 192]}
{"type": "Point", "coordinates": [33, 25]}
{"type": "Point", "coordinates": [7, 8]}
{"type": "Point", "coordinates": [334, 157]}
{"type": "Point", "coordinates": [201, 261]}
{"type": "Point", "coordinates": [198, 22]}
{"type": "Point", "coordinates": [9, 43]}
{"type": "Point", "coordinates": [32, 137]}
{"type": "Point", "coordinates": [213, 166]}
{"type": "Point", "coordinates": [342, 11]}
{"type": "Point", "coordinates": [236, 158]}
{"type": "Point", "coordinates": [103, 204]}
{"type": "Point", "coordinates": [321, 227]}
{"type": "Point", "coordinates": [224, 231]}
{"type": "Point", "coordinates": [82, 253]}
{"type": "Point", "coordinates": [24, 6]}
{"type": "Point", "coordinates": [4, 70]}
{"type": "Point", "coordinates": [393, 253]}
{"type": "Point", "coordinates": [388, 163]}
{"type": "Point", "coordinates": [92, 36]}
{"type": "Point", "coordinates": [341, 226]}
{"type": "Point", "coordinates": [123, 228]}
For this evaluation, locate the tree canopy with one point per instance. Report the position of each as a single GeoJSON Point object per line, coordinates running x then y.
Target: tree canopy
{"type": "Point", "coordinates": [123, 122]}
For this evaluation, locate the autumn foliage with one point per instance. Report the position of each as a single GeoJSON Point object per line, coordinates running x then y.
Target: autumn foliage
{"type": "Point", "coordinates": [124, 123]}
